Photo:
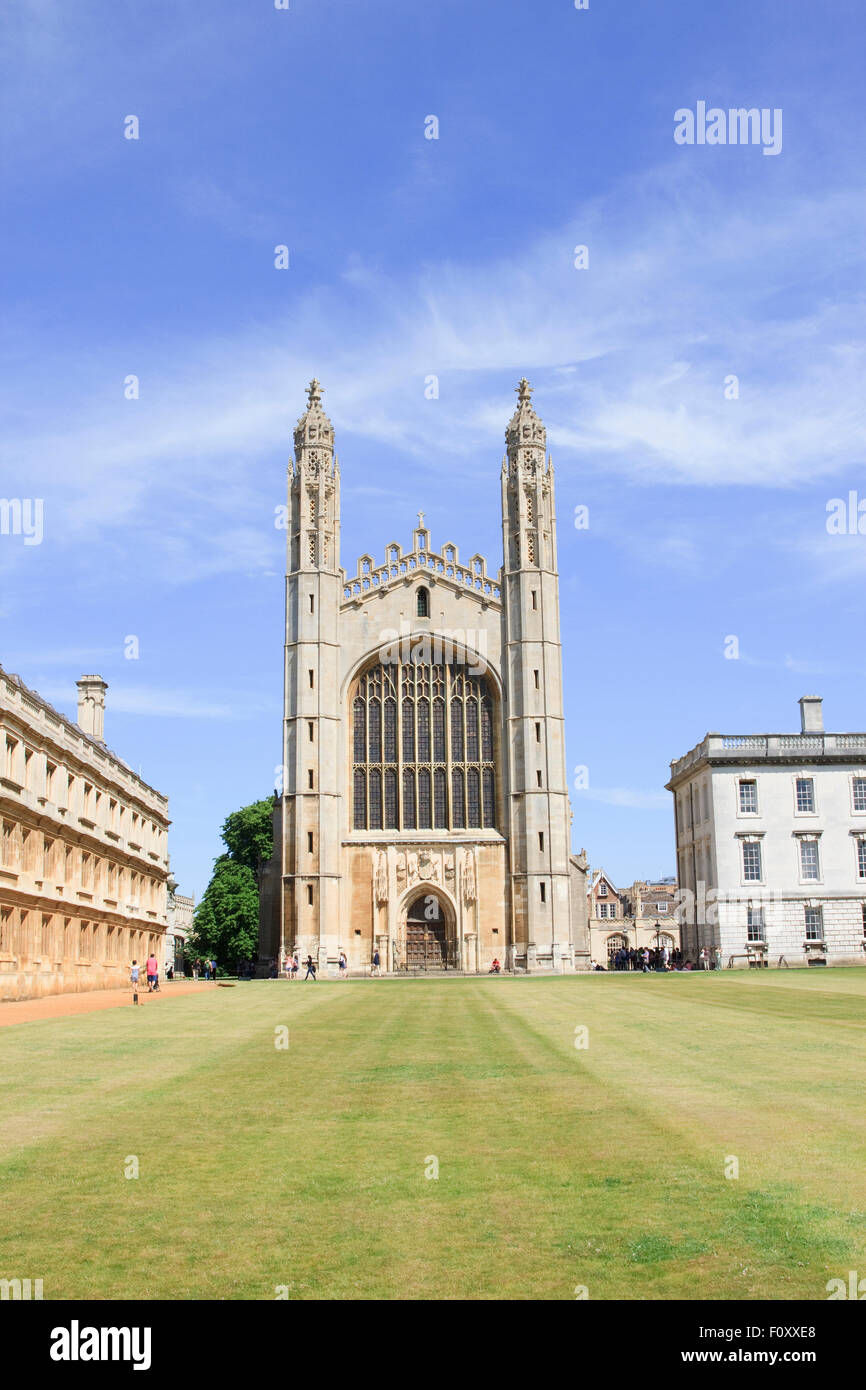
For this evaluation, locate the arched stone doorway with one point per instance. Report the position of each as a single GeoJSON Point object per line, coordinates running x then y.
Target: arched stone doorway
{"type": "Point", "coordinates": [614, 943]}
{"type": "Point", "coordinates": [428, 933]}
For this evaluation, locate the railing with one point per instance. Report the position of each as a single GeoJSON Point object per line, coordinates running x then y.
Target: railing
{"type": "Point", "coordinates": [755, 746]}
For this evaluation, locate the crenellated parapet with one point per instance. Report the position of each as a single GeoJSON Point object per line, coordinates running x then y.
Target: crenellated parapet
{"type": "Point", "coordinates": [444, 564]}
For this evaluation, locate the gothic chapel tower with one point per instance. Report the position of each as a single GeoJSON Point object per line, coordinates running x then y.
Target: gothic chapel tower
{"type": "Point", "coordinates": [312, 825]}
{"type": "Point", "coordinates": [539, 807]}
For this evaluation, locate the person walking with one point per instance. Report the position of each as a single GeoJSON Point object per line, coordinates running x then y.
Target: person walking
{"type": "Point", "coordinates": [377, 965]}
{"type": "Point", "coordinates": [134, 971]}
{"type": "Point", "coordinates": [645, 958]}
{"type": "Point", "coordinates": [311, 969]}
{"type": "Point", "coordinates": [152, 971]}
{"type": "Point", "coordinates": [213, 969]}
{"type": "Point", "coordinates": [704, 959]}
{"type": "Point", "coordinates": [344, 966]}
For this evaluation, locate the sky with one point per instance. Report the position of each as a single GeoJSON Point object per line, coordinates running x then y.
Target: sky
{"type": "Point", "coordinates": [700, 371]}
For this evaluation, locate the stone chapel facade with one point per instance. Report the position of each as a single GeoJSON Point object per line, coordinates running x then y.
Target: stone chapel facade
{"type": "Point", "coordinates": [424, 806]}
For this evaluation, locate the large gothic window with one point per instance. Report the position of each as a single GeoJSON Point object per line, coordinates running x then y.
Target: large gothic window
{"type": "Point", "coordinates": [422, 744]}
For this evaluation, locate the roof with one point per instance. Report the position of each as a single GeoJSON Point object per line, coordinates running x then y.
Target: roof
{"type": "Point", "coordinates": [76, 729]}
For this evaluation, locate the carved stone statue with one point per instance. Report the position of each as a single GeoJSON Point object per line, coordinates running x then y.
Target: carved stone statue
{"type": "Point", "coordinates": [381, 878]}
{"type": "Point", "coordinates": [469, 887]}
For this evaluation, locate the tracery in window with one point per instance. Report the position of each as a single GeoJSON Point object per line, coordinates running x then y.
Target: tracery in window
{"type": "Point", "coordinates": [422, 748]}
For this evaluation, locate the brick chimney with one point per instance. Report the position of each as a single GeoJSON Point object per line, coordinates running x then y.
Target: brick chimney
{"type": "Point", "coordinates": [811, 717]}
{"type": "Point", "coordinates": [91, 705]}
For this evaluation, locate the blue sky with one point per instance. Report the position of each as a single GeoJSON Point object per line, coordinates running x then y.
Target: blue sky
{"type": "Point", "coordinates": [453, 256]}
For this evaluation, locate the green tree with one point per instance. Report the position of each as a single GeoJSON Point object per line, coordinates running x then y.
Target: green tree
{"type": "Point", "coordinates": [249, 836]}
{"type": "Point", "coordinates": [226, 923]}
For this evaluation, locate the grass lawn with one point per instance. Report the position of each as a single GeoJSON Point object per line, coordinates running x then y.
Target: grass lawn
{"type": "Point", "coordinates": [559, 1167]}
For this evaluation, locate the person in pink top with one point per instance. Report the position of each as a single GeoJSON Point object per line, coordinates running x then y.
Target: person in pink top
{"type": "Point", "coordinates": [152, 972]}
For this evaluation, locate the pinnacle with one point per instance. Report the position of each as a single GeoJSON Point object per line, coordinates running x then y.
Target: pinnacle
{"type": "Point", "coordinates": [524, 428]}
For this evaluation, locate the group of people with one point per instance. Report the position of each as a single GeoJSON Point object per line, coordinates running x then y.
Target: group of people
{"type": "Point", "coordinates": [151, 970]}
{"type": "Point", "coordinates": [660, 958]}
{"type": "Point", "coordinates": [292, 967]}
{"type": "Point", "coordinates": [206, 969]}
{"type": "Point", "coordinates": [646, 959]}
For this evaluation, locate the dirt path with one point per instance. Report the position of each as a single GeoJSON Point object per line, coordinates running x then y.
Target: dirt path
{"type": "Point", "coordinates": [55, 1005]}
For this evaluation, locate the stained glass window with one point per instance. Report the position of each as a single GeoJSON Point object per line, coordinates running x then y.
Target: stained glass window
{"type": "Point", "coordinates": [408, 799]}
{"type": "Point", "coordinates": [439, 773]}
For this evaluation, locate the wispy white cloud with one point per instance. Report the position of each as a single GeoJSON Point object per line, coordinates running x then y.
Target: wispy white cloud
{"type": "Point", "coordinates": [630, 358]}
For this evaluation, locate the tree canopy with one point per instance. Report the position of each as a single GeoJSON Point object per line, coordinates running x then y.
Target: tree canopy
{"type": "Point", "coordinates": [226, 921]}
{"type": "Point", "coordinates": [227, 918]}
{"type": "Point", "coordinates": [248, 835]}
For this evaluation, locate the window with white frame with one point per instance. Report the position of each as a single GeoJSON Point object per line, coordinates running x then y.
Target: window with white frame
{"type": "Point", "coordinates": [661, 907]}
{"type": "Point", "coordinates": [748, 798]}
{"type": "Point", "coordinates": [809, 865]}
{"type": "Point", "coordinates": [756, 929]}
{"type": "Point", "coordinates": [861, 858]}
{"type": "Point", "coordinates": [752, 861]}
{"type": "Point", "coordinates": [805, 794]}
{"type": "Point", "coordinates": [860, 793]}
{"type": "Point", "coordinates": [602, 909]}
{"type": "Point", "coordinates": [602, 889]}
{"type": "Point", "coordinates": [814, 924]}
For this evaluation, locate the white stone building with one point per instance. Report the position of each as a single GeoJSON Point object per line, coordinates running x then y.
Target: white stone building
{"type": "Point", "coordinates": [180, 917]}
{"type": "Point", "coordinates": [771, 845]}
{"type": "Point", "coordinates": [424, 811]}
